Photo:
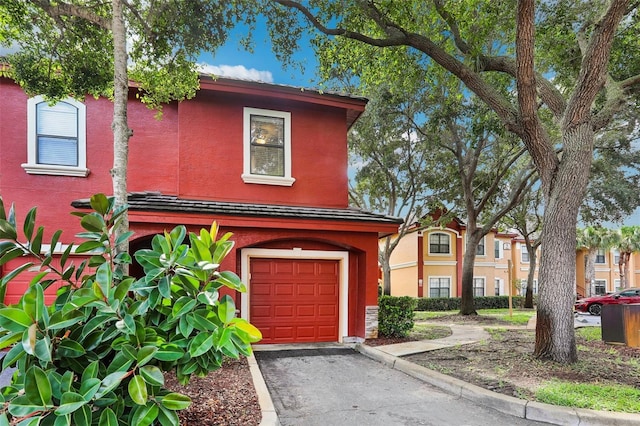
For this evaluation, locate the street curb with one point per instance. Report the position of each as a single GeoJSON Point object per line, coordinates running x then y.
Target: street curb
{"type": "Point", "coordinates": [269, 415]}
{"type": "Point", "coordinates": [530, 410]}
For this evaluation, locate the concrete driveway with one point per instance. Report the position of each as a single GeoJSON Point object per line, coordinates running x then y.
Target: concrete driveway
{"type": "Point", "coordinates": [339, 386]}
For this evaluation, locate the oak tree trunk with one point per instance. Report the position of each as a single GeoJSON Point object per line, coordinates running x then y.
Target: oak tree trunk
{"type": "Point", "coordinates": [555, 336]}
{"type": "Point", "coordinates": [467, 307]}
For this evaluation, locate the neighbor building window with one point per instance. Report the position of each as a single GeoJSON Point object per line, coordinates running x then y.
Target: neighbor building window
{"type": "Point", "coordinates": [600, 287]}
{"type": "Point", "coordinates": [498, 250]}
{"type": "Point", "coordinates": [616, 257]}
{"type": "Point", "coordinates": [478, 287]}
{"type": "Point", "coordinates": [267, 147]}
{"type": "Point", "coordinates": [439, 286]}
{"type": "Point", "coordinates": [497, 291]}
{"type": "Point", "coordinates": [600, 256]}
{"type": "Point", "coordinates": [480, 248]}
{"type": "Point", "coordinates": [524, 254]}
{"type": "Point", "coordinates": [439, 243]}
{"type": "Point", "coordinates": [56, 137]}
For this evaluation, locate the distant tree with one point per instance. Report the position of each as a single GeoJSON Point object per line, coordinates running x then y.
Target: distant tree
{"type": "Point", "coordinates": [526, 218]}
{"type": "Point", "coordinates": [389, 157]}
{"type": "Point", "coordinates": [627, 241]}
{"type": "Point", "coordinates": [592, 239]}
{"type": "Point", "coordinates": [79, 48]}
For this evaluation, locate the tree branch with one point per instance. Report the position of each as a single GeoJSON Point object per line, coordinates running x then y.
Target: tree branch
{"type": "Point", "coordinates": [66, 9]}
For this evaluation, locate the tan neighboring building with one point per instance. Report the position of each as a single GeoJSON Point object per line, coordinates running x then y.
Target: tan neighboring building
{"type": "Point", "coordinates": [441, 250]}
{"type": "Point", "coordinates": [607, 276]}
{"type": "Point", "coordinates": [439, 271]}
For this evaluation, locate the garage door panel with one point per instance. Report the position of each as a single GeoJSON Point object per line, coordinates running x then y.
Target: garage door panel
{"type": "Point", "coordinates": [303, 299]}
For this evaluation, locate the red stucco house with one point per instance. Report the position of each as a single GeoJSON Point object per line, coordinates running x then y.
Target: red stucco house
{"type": "Point", "coordinates": [267, 162]}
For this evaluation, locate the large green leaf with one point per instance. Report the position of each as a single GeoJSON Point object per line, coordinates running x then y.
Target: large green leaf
{"type": "Point", "coordinates": [201, 344]}
{"type": "Point", "coordinates": [110, 382]}
{"type": "Point", "coordinates": [169, 352]}
{"type": "Point", "coordinates": [119, 363]}
{"type": "Point", "coordinates": [175, 401]}
{"type": "Point", "coordinates": [182, 306]}
{"type": "Point", "coordinates": [14, 319]}
{"type": "Point", "coordinates": [82, 417]}
{"type": "Point", "coordinates": [43, 349]}
{"type": "Point", "coordinates": [22, 406]}
{"type": "Point", "coordinates": [7, 231]}
{"type": "Point", "coordinates": [70, 349]}
{"type": "Point", "coordinates": [33, 302]}
{"type": "Point", "coordinates": [87, 246]}
{"type": "Point", "coordinates": [93, 223]}
{"type": "Point", "coordinates": [9, 339]}
{"type": "Point", "coordinates": [29, 339]}
{"type": "Point", "coordinates": [226, 309]}
{"type": "Point", "coordinates": [185, 326]}
{"type": "Point", "coordinates": [37, 386]}
{"type": "Point", "coordinates": [69, 403]}
{"type": "Point", "coordinates": [144, 415]}
{"type": "Point", "coordinates": [167, 417]}
{"type": "Point", "coordinates": [104, 277]}
{"type": "Point", "coordinates": [231, 280]}
{"type": "Point", "coordinates": [108, 418]}
{"type": "Point", "coordinates": [60, 320]}
{"type": "Point", "coordinates": [252, 333]}
{"type": "Point", "coordinates": [36, 243]}
{"type": "Point", "coordinates": [209, 297]}
{"type": "Point", "coordinates": [146, 354]}
{"type": "Point", "coordinates": [100, 203]}
{"type": "Point", "coordinates": [13, 356]}
{"type": "Point", "coordinates": [152, 375]}
{"type": "Point", "coordinates": [89, 387]}
{"type": "Point", "coordinates": [11, 254]}
{"type": "Point", "coordinates": [138, 390]}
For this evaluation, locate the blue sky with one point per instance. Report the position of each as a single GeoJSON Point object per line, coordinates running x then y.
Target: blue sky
{"type": "Point", "coordinates": [231, 60]}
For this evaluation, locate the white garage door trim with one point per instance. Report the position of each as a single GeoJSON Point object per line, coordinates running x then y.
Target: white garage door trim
{"type": "Point", "coordinates": [297, 253]}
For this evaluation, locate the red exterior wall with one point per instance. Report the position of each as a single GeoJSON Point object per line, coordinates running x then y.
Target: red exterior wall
{"type": "Point", "coordinates": [196, 152]}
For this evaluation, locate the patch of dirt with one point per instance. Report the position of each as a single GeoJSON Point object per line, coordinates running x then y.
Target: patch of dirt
{"type": "Point", "coordinates": [505, 363]}
{"type": "Point", "coordinates": [224, 397]}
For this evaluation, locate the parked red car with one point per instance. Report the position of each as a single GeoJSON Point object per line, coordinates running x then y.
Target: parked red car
{"type": "Point", "coordinates": [593, 305]}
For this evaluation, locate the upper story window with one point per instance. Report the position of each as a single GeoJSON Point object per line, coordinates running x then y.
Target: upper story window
{"type": "Point", "coordinates": [439, 243]}
{"type": "Point", "coordinates": [56, 138]}
{"type": "Point", "coordinates": [267, 147]}
{"type": "Point", "coordinates": [497, 249]}
{"type": "Point", "coordinates": [524, 254]}
{"type": "Point", "coordinates": [600, 256]}
{"type": "Point", "coordinates": [480, 248]}
{"type": "Point", "coordinates": [616, 257]}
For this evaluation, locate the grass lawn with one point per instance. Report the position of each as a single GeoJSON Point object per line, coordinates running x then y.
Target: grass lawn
{"type": "Point", "coordinates": [518, 317]}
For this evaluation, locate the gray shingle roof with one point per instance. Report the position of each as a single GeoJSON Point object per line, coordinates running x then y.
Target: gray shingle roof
{"type": "Point", "coordinates": [153, 201]}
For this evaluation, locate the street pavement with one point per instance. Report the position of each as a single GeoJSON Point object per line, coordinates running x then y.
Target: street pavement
{"type": "Point", "coordinates": [339, 386]}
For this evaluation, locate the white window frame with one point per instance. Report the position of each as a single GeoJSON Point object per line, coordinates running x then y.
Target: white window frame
{"type": "Point", "coordinates": [247, 176]}
{"type": "Point", "coordinates": [429, 243]}
{"type": "Point", "coordinates": [32, 166]}
{"type": "Point", "coordinates": [498, 244]}
{"type": "Point", "coordinates": [603, 254]}
{"type": "Point", "coordinates": [499, 286]}
{"type": "Point", "coordinates": [603, 283]}
{"type": "Point", "coordinates": [439, 278]}
{"type": "Point", "coordinates": [484, 286]}
{"type": "Point", "coordinates": [523, 250]}
{"type": "Point", "coordinates": [483, 243]}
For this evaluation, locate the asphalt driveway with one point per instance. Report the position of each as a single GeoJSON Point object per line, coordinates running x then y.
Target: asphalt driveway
{"type": "Point", "coordinates": [339, 386]}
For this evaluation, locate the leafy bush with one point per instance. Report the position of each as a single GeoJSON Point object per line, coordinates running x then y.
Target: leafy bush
{"type": "Point", "coordinates": [97, 355]}
{"type": "Point", "coordinates": [453, 303]}
{"type": "Point", "coordinates": [395, 315]}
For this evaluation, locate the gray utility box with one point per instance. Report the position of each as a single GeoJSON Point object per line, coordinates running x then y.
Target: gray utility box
{"type": "Point", "coordinates": [621, 324]}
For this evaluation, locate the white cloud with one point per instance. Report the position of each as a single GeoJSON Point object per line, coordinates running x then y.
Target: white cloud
{"type": "Point", "coordinates": [237, 71]}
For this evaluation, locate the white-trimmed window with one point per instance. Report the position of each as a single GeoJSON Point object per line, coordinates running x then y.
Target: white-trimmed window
{"type": "Point", "coordinates": [616, 284]}
{"type": "Point", "coordinates": [267, 147]}
{"type": "Point", "coordinates": [498, 250]}
{"type": "Point", "coordinates": [499, 287]}
{"type": "Point", "coordinates": [478, 287]}
{"type": "Point", "coordinates": [524, 254]}
{"type": "Point", "coordinates": [439, 243]}
{"type": "Point", "coordinates": [439, 286]}
{"type": "Point", "coordinates": [56, 138]}
{"type": "Point", "coordinates": [616, 257]}
{"type": "Point", "coordinates": [600, 256]}
{"type": "Point", "coordinates": [480, 248]}
{"type": "Point", "coordinates": [599, 287]}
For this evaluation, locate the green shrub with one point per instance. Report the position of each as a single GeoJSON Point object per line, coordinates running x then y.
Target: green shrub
{"type": "Point", "coordinates": [453, 303]}
{"type": "Point", "coordinates": [395, 315]}
{"type": "Point", "coordinates": [97, 354]}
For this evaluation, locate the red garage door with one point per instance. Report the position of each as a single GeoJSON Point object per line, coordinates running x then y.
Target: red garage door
{"type": "Point", "coordinates": [294, 300]}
